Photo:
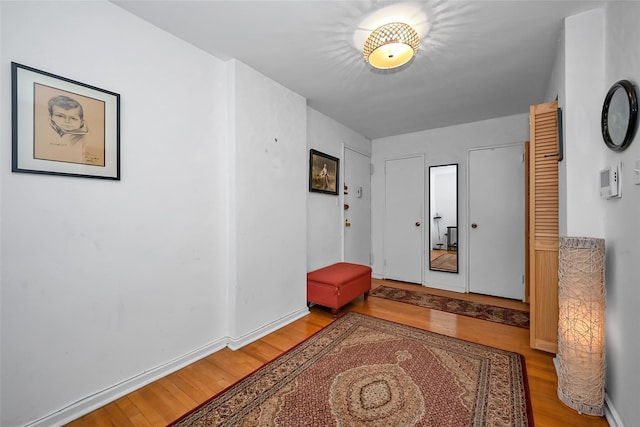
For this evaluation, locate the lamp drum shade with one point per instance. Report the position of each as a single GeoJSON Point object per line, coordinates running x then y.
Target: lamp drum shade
{"type": "Point", "coordinates": [581, 303]}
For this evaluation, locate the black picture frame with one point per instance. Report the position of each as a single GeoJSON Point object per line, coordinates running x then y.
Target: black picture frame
{"type": "Point", "coordinates": [63, 127]}
{"type": "Point", "coordinates": [560, 136]}
{"type": "Point", "coordinates": [619, 115]}
{"type": "Point", "coordinates": [324, 173]}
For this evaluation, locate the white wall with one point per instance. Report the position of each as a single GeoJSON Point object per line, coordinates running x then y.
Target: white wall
{"type": "Point", "coordinates": [621, 228]}
{"type": "Point", "coordinates": [599, 49]}
{"type": "Point", "coordinates": [107, 284]}
{"type": "Point", "coordinates": [325, 212]}
{"type": "Point", "coordinates": [269, 123]}
{"type": "Point", "coordinates": [556, 89]}
{"type": "Point", "coordinates": [440, 146]}
{"type": "Point", "coordinates": [583, 148]}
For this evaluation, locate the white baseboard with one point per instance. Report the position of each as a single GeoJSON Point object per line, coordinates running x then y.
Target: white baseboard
{"type": "Point", "coordinates": [610, 413]}
{"type": "Point", "coordinates": [446, 287]}
{"type": "Point", "coordinates": [101, 398]}
{"type": "Point", "coordinates": [239, 342]}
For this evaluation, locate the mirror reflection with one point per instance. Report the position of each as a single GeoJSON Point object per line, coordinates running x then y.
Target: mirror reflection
{"type": "Point", "coordinates": [443, 210]}
{"type": "Point", "coordinates": [618, 116]}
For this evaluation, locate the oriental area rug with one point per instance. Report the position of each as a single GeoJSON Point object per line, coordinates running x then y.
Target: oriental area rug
{"type": "Point", "coordinates": [492, 313]}
{"type": "Point", "coordinates": [364, 371]}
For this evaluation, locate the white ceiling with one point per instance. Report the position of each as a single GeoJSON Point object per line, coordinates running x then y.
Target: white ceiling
{"type": "Point", "coordinates": [477, 59]}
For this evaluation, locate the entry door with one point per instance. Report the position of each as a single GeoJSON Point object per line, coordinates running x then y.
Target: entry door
{"type": "Point", "coordinates": [357, 207]}
{"type": "Point", "coordinates": [403, 229]}
{"type": "Point", "coordinates": [497, 221]}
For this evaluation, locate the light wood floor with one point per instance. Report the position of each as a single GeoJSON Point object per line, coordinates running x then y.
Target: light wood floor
{"type": "Point", "coordinates": [167, 399]}
{"type": "Point", "coordinates": [435, 253]}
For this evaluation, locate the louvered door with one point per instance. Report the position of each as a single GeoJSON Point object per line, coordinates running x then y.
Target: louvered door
{"type": "Point", "coordinates": [543, 226]}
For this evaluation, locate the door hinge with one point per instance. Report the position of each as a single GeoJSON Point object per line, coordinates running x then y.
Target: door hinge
{"type": "Point", "coordinates": [370, 168]}
{"type": "Point", "coordinates": [371, 259]}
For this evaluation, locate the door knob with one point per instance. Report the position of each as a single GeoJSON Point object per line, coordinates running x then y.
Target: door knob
{"type": "Point", "coordinates": [474, 225]}
{"type": "Point", "coordinates": [418, 224]}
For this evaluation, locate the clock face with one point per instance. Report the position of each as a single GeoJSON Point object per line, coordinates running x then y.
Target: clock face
{"type": "Point", "coordinates": [619, 115]}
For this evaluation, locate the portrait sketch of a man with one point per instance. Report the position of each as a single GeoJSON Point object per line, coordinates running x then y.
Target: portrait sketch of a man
{"type": "Point", "coordinates": [68, 127]}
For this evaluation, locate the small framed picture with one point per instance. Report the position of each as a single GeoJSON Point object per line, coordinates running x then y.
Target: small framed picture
{"type": "Point", "coordinates": [63, 127]}
{"type": "Point", "coordinates": [324, 173]}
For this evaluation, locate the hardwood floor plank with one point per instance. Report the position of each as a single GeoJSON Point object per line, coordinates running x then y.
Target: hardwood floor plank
{"type": "Point", "coordinates": [154, 405]}
{"type": "Point", "coordinates": [209, 378]}
{"type": "Point", "coordinates": [174, 393]}
{"type": "Point", "coordinates": [196, 390]}
{"type": "Point", "coordinates": [104, 417]}
{"type": "Point", "coordinates": [117, 417]}
{"type": "Point", "coordinates": [169, 398]}
{"type": "Point", "coordinates": [132, 412]}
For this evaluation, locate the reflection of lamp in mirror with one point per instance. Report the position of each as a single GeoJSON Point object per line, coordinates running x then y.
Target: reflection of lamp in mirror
{"type": "Point", "coordinates": [439, 243]}
{"type": "Point", "coordinates": [581, 300]}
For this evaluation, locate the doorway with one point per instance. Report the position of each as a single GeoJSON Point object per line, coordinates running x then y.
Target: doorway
{"type": "Point", "coordinates": [357, 207]}
{"type": "Point", "coordinates": [497, 221]}
{"type": "Point", "coordinates": [403, 219]}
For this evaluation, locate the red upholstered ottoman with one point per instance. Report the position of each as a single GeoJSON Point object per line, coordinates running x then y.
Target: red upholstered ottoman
{"type": "Point", "coordinates": [338, 284]}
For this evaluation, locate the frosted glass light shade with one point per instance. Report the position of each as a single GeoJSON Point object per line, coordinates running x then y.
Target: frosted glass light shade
{"type": "Point", "coordinates": [391, 45]}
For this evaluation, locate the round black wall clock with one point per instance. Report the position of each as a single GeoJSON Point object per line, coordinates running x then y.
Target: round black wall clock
{"type": "Point", "coordinates": [619, 115]}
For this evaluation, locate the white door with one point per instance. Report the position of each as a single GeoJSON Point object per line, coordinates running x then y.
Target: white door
{"type": "Point", "coordinates": [403, 219]}
{"type": "Point", "coordinates": [496, 221]}
{"type": "Point", "coordinates": [357, 207]}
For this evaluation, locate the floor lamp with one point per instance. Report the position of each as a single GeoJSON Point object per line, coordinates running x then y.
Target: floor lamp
{"type": "Point", "coordinates": [581, 302]}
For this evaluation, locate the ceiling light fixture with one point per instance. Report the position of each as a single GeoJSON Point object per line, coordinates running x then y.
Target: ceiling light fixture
{"type": "Point", "coordinates": [391, 45]}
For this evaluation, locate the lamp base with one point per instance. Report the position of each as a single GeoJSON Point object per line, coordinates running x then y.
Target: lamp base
{"type": "Point", "coordinates": [582, 408]}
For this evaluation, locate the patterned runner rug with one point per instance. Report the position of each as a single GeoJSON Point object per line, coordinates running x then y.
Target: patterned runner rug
{"type": "Point", "coordinates": [492, 313]}
{"type": "Point", "coordinates": [364, 371]}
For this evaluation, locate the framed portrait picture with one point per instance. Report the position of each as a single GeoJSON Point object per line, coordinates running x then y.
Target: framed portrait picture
{"type": "Point", "coordinates": [324, 173]}
{"type": "Point", "coordinates": [63, 127]}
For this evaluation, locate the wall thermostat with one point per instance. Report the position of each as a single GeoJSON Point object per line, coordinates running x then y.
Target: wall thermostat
{"type": "Point", "coordinates": [610, 182]}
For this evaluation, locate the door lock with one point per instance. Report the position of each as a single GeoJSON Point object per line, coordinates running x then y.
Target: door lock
{"type": "Point", "coordinates": [474, 225]}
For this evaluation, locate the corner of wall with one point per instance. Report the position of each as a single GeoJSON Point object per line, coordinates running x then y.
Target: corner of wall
{"type": "Point", "coordinates": [230, 242]}
{"type": "Point", "coordinates": [610, 413]}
